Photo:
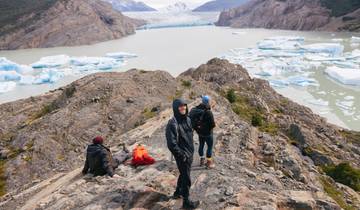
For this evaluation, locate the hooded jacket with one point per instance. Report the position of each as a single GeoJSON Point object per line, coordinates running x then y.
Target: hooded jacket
{"type": "Point", "coordinates": [98, 161]}
{"type": "Point", "coordinates": [179, 133]}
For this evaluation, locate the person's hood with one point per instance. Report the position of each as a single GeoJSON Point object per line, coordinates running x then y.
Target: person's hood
{"type": "Point", "coordinates": [176, 104]}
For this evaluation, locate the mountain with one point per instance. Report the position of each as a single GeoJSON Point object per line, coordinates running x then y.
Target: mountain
{"type": "Point", "coordinates": [51, 23]}
{"type": "Point", "coordinates": [130, 6]}
{"type": "Point", "coordinates": [219, 5]}
{"type": "Point", "coordinates": [178, 7]}
{"type": "Point", "coordinates": [327, 15]}
{"type": "Point", "coordinates": [270, 152]}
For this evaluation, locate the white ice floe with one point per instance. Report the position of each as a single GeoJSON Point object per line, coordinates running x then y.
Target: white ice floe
{"type": "Point", "coordinates": [317, 102]}
{"type": "Point", "coordinates": [346, 64]}
{"type": "Point", "coordinates": [337, 40]}
{"type": "Point", "coordinates": [278, 83]}
{"type": "Point", "coordinates": [7, 65]}
{"type": "Point", "coordinates": [7, 86]}
{"type": "Point", "coordinates": [333, 49]}
{"type": "Point", "coordinates": [278, 44]}
{"type": "Point", "coordinates": [51, 61]}
{"type": "Point", "coordinates": [321, 57]}
{"type": "Point", "coordinates": [355, 39]}
{"type": "Point", "coordinates": [302, 81]}
{"type": "Point", "coordinates": [120, 55]}
{"type": "Point", "coordinates": [287, 38]}
{"type": "Point", "coordinates": [239, 32]}
{"type": "Point", "coordinates": [344, 75]}
{"type": "Point", "coordinates": [349, 98]}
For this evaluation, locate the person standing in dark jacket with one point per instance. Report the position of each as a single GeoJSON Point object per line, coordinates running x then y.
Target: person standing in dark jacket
{"type": "Point", "coordinates": [99, 161]}
{"type": "Point", "coordinates": [204, 123]}
{"type": "Point", "coordinates": [179, 137]}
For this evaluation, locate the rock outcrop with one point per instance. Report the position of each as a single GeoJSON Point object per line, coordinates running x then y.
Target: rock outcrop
{"type": "Point", "coordinates": [329, 15]}
{"type": "Point", "coordinates": [269, 151]}
{"type": "Point", "coordinates": [54, 23]}
{"type": "Point", "coordinates": [219, 5]}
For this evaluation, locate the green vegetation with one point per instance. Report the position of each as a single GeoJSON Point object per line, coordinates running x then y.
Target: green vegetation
{"type": "Point", "coordinates": [254, 115]}
{"type": "Point", "coordinates": [2, 178]}
{"type": "Point", "coordinates": [12, 11]}
{"type": "Point", "coordinates": [344, 173]}
{"type": "Point", "coordinates": [334, 193]}
{"type": "Point", "coordinates": [147, 113]}
{"type": "Point", "coordinates": [351, 136]}
{"type": "Point", "coordinates": [341, 7]}
{"type": "Point", "coordinates": [231, 96]}
{"type": "Point", "coordinates": [186, 83]}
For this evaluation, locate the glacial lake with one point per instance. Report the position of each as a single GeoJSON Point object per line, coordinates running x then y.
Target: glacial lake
{"type": "Point", "coordinates": [177, 49]}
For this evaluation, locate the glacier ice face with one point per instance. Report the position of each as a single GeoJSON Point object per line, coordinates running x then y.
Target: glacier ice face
{"type": "Point", "coordinates": [51, 61]}
{"type": "Point", "coordinates": [344, 75]}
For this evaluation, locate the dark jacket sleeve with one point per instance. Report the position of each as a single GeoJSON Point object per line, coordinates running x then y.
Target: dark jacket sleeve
{"type": "Point", "coordinates": [171, 139]}
{"type": "Point", "coordinates": [211, 120]}
{"type": "Point", "coordinates": [106, 164]}
{"type": "Point", "coordinates": [86, 166]}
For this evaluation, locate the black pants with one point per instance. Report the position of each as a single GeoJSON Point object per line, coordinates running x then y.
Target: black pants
{"type": "Point", "coordinates": [209, 140]}
{"type": "Point", "coordinates": [184, 180]}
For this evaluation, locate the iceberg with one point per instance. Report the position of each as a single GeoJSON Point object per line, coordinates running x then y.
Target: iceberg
{"type": "Point", "coordinates": [346, 64]}
{"type": "Point", "coordinates": [6, 65]}
{"type": "Point", "coordinates": [349, 98]}
{"type": "Point", "coordinates": [333, 49]}
{"type": "Point", "coordinates": [317, 102]}
{"type": "Point", "coordinates": [337, 40]}
{"type": "Point", "coordinates": [9, 76]}
{"type": "Point", "coordinates": [344, 75]}
{"type": "Point", "coordinates": [239, 32]}
{"type": "Point", "coordinates": [7, 86]}
{"type": "Point", "coordinates": [48, 76]}
{"type": "Point", "coordinates": [287, 38]}
{"type": "Point", "coordinates": [27, 80]}
{"type": "Point", "coordinates": [278, 44]}
{"type": "Point", "coordinates": [51, 61]}
{"type": "Point", "coordinates": [312, 57]}
{"type": "Point", "coordinates": [120, 55]}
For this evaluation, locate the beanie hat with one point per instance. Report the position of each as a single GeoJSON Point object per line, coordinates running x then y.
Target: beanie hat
{"type": "Point", "coordinates": [205, 99]}
{"type": "Point", "coordinates": [98, 140]}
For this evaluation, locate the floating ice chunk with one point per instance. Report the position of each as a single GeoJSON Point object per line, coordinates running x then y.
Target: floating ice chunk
{"type": "Point", "coordinates": [337, 40]}
{"type": "Point", "coordinates": [83, 61]}
{"type": "Point", "coordinates": [322, 93]}
{"type": "Point", "coordinates": [313, 57]}
{"type": "Point", "coordinates": [118, 55]}
{"type": "Point", "coordinates": [346, 64]}
{"type": "Point", "coordinates": [239, 32]}
{"type": "Point", "coordinates": [302, 81]}
{"type": "Point", "coordinates": [278, 83]}
{"type": "Point", "coordinates": [9, 76]}
{"type": "Point", "coordinates": [7, 86]}
{"type": "Point", "coordinates": [175, 25]}
{"type": "Point", "coordinates": [345, 105]}
{"type": "Point", "coordinates": [7, 65]}
{"type": "Point", "coordinates": [349, 98]}
{"type": "Point", "coordinates": [333, 49]}
{"type": "Point", "coordinates": [317, 102]}
{"type": "Point", "coordinates": [263, 74]}
{"type": "Point", "coordinates": [343, 75]}
{"type": "Point", "coordinates": [287, 38]}
{"type": "Point", "coordinates": [27, 80]}
{"type": "Point", "coordinates": [51, 61]}
{"type": "Point", "coordinates": [48, 76]}
{"type": "Point", "coordinates": [355, 39]}
{"type": "Point", "coordinates": [278, 44]}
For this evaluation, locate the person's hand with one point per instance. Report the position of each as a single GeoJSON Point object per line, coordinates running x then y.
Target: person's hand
{"type": "Point", "coordinates": [116, 176]}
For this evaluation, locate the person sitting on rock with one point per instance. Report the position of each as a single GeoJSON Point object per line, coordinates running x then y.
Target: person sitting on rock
{"type": "Point", "coordinates": [179, 137]}
{"type": "Point", "coordinates": [203, 123]}
{"type": "Point", "coordinates": [100, 161]}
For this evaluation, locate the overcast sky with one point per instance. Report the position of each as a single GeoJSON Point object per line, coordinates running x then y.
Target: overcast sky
{"type": "Point", "coordinates": [162, 3]}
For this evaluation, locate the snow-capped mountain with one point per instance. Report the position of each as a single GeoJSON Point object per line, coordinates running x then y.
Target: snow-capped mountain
{"type": "Point", "coordinates": [129, 5]}
{"type": "Point", "coordinates": [178, 7]}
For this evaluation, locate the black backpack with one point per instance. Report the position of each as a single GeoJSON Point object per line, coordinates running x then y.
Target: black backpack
{"type": "Point", "coordinates": [197, 118]}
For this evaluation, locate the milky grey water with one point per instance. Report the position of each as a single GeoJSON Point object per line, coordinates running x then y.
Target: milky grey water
{"type": "Point", "coordinates": [177, 49]}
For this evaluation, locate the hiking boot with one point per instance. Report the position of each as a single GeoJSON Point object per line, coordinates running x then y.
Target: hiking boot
{"type": "Point", "coordinates": [188, 204]}
{"type": "Point", "coordinates": [210, 163]}
{"type": "Point", "coordinates": [202, 161]}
